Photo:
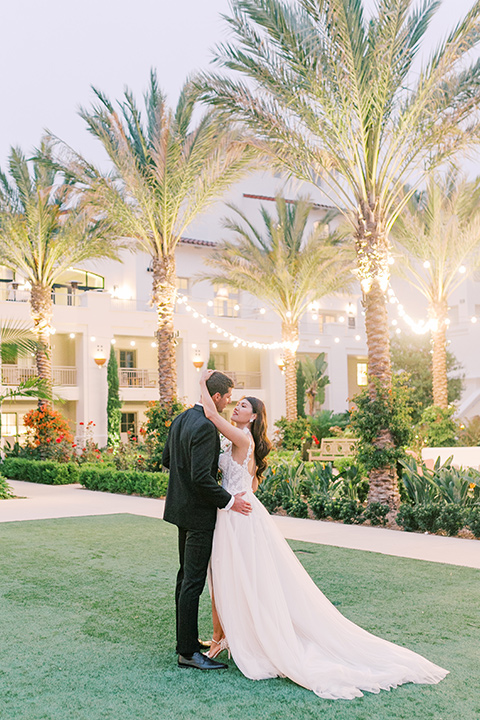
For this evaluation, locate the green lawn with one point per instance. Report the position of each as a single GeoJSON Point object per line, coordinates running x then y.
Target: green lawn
{"type": "Point", "coordinates": [87, 630]}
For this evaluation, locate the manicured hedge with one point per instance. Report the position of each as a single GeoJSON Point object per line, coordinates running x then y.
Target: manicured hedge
{"type": "Point", "coordinates": [40, 471]}
{"type": "Point", "coordinates": [138, 482]}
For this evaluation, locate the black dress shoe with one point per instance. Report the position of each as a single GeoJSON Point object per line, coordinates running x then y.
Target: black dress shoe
{"type": "Point", "coordinates": [202, 662]}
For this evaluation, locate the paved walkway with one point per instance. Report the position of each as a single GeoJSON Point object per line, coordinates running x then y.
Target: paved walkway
{"type": "Point", "coordinates": [39, 502]}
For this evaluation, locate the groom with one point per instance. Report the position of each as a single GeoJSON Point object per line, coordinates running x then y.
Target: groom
{"type": "Point", "coordinates": [193, 496]}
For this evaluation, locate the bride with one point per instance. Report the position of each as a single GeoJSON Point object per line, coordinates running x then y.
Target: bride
{"type": "Point", "coordinates": [266, 609]}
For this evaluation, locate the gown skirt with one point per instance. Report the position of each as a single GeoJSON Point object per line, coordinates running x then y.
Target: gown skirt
{"type": "Point", "coordinates": [278, 623]}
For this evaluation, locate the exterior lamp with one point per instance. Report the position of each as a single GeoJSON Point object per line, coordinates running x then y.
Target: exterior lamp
{"type": "Point", "coordinates": [99, 358]}
{"type": "Point", "coordinates": [281, 364]}
{"type": "Point", "coordinates": [197, 361]}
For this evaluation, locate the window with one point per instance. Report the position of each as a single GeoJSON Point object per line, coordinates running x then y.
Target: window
{"type": "Point", "coordinates": [182, 284]}
{"type": "Point", "coordinates": [324, 319]}
{"type": "Point", "coordinates": [9, 424]}
{"type": "Point", "coordinates": [453, 314]}
{"type": "Point", "coordinates": [220, 360]}
{"type": "Point", "coordinates": [225, 303]}
{"type": "Point", "coordinates": [128, 423]}
{"type": "Point", "coordinates": [127, 358]}
{"type": "Point", "coordinates": [362, 373]}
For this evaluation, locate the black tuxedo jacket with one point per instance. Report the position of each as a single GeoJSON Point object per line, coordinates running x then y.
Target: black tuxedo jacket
{"type": "Point", "coordinates": [191, 454]}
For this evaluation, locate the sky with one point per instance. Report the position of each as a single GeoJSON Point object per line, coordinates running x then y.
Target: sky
{"type": "Point", "coordinates": [52, 51]}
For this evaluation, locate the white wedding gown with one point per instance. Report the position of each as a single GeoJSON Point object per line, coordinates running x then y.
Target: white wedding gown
{"type": "Point", "coordinates": [276, 620]}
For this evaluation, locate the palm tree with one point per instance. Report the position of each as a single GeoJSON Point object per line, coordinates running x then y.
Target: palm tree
{"type": "Point", "coordinates": [44, 229]}
{"type": "Point", "coordinates": [438, 237]}
{"type": "Point", "coordinates": [285, 267]}
{"type": "Point", "coordinates": [315, 379]}
{"type": "Point", "coordinates": [165, 172]}
{"type": "Point", "coordinates": [334, 95]}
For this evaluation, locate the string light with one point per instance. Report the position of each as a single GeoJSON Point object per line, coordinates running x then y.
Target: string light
{"type": "Point", "coordinates": [292, 346]}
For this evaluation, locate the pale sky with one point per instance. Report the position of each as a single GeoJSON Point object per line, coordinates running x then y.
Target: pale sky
{"type": "Point", "coordinates": [52, 51]}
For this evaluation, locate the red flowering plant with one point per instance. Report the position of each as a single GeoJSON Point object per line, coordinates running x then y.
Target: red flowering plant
{"type": "Point", "coordinates": [48, 435]}
{"type": "Point", "coordinates": [88, 450]}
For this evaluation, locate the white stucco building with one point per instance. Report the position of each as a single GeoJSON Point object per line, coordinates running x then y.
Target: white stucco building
{"type": "Point", "coordinates": [108, 302]}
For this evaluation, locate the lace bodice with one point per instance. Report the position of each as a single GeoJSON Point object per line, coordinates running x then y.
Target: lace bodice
{"type": "Point", "coordinates": [236, 477]}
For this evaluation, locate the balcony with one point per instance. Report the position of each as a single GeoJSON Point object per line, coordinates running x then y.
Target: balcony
{"type": "Point", "coordinates": [251, 380]}
{"type": "Point", "coordinates": [13, 375]}
{"type": "Point", "coordinates": [137, 378]}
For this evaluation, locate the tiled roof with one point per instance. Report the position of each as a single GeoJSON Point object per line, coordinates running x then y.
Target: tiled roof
{"type": "Point", "coordinates": [193, 241]}
{"type": "Point", "coordinates": [319, 206]}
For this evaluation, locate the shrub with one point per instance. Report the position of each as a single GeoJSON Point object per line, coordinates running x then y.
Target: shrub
{"type": "Point", "coordinates": [296, 507]}
{"type": "Point", "coordinates": [407, 518]}
{"type": "Point", "coordinates": [47, 472]}
{"type": "Point", "coordinates": [290, 434]}
{"type": "Point", "coordinates": [155, 430]}
{"type": "Point", "coordinates": [133, 482]}
{"type": "Point", "coordinates": [451, 519]}
{"type": "Point", "coordinates": [473, 519]}
{"type": "Point", "coordinates": [376, 513]}
{"type": "Point", "coordinates": [437, 427]}
{"type": "Point", "coordinates": [320, 504]}
{"type": "Point", "coordinates": [48, 435]}
{"type": "Point", "coordinates": [5, 489]}
{"type": "Point", "coordinates": [388, 410]}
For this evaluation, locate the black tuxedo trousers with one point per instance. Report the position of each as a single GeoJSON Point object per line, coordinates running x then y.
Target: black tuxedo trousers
{"type": "Point", "coordinates": [193, 496]}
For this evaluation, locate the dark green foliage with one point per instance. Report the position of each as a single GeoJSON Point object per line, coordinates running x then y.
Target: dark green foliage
{"type": "Point", "coordinates": [451, 519]}
{"type": "Point", "coordinates": [322, 423]}
{"type": "Point", "coordinates": [5, 489]}
{"type": "Point", "coordinates": [411, 357]}
{"type": "Point", "coordinates": [376, 513]}
{"type": "Point", "coordinates": [347, 510]}
{"type": "Point", "coordinates": [432, 517]}
{"type": "Point", "coordinates": [47, 472]}
{"type": "Point", "coordinates": [130, 482]}
{"type": "Point", "coordinates": [114, 403]}
{"type": "Point", "coordinates": [437, 427]}
{"type": "Point", "coordinates": [319, 503]}
{"type": "Point", "coordinates": [155, 431]}
{"type": "Point", "coordinates": [291, 433]}
{"type": "Point", "coordinates": [473, 519]}
{"type": "Point", "coordinates": [388, 410]}
{"type": "Point", "coordinates": [296, 507]}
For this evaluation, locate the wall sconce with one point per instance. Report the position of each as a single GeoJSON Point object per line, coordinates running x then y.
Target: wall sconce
{"type": "Point", "coordinates": [197, 361]}
{"type": "Point", "coordinates": [99, 358]}
{"type": "Point", "coordinates": [281, 365]}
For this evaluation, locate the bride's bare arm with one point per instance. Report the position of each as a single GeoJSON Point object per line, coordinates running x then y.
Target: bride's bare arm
{"type": "Point", "coordinates": [238, 438]}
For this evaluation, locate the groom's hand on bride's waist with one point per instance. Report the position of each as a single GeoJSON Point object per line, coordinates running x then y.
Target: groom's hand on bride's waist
{"type": "Point", "coordinates": [240, 505]}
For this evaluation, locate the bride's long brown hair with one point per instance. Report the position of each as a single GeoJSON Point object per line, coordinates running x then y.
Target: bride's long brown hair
{"type": "Point", "coordinates": [258, 429]}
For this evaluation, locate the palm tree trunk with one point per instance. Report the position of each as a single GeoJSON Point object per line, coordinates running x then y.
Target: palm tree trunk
{"type": "Point", "coordinates": [42, 312]}
{"type": "Point", "coordinates": [290, 335]}
{"type": "Point", "coordinates": [439, 357]}
{"type": "Point", "coordinates": [164, 291]}
{"type": "Point", "coordinates": [372, 256]}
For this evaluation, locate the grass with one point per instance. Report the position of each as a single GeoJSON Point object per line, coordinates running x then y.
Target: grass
{"type": "Point", "coordinates": [87, 630]}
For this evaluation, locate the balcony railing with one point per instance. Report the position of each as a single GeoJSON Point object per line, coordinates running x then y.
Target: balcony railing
{"type": "Point", "coordinates": [137, 377]}
{"type": "Point", "coordinates": [13, 375]}
{"type": "Point", "coordinates": [251, 380]}
{"type": "Point", "coordinates": [23, 296]}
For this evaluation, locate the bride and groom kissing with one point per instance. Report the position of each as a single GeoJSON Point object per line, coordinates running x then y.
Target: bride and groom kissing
{"type": "Point", "coordinates": [266, 609]}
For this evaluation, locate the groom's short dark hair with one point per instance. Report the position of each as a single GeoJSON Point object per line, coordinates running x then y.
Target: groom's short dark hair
{"type": "Point", "coordinates": [218, 382]}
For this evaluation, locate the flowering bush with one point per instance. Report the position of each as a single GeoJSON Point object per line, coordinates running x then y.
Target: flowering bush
{"type": "Point", "coordinates": [155, 430]}
{"type": "Point", "coordinates": [48, 435]}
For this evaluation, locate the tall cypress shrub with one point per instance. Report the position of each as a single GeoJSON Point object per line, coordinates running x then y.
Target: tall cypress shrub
{"type": "Point", "coordinates": [113, 402]}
